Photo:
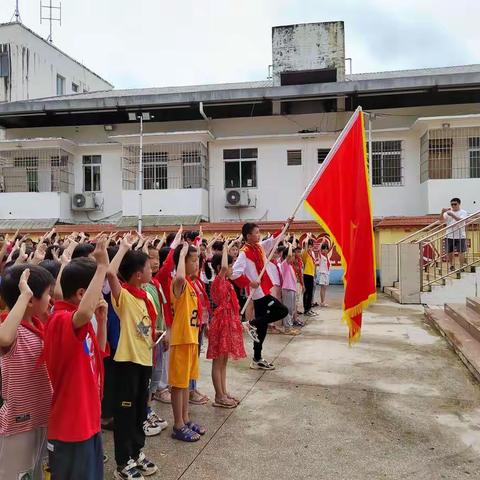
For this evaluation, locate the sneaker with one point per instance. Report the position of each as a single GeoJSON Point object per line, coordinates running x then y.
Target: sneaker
{"type": "Point", "coordinates": [145, 466]}
{"type": "Point", "coordinates": [150, 429]}
{"type": "Point", "coordinates": [310, 313]}
{"type": "Point", "coordinates": [154, 419]}
{"type": "Point", "coordinates": [261, 365]}
{"type": "Point", "coordinates": [252, 332]}
{"type": "Point", "coordinates": [129, 472]}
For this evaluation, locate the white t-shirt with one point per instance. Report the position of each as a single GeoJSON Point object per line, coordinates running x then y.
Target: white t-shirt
{"type": "Point", "coordinates": [455, 232]}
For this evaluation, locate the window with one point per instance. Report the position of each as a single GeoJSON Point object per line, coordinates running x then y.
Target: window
{"type": "Point", "coordinates": [30, 165]}
{"type": "Point", "coordinates": [322, 154]}
{"type": "Point", "coordinates": [240, 167]}
{"type": "Point", "coordinates": [474, 152]}
{"type": "Point", "coordinates": [387, 163]}
{"type": "Point", "coordinates": [155, 171]}
{"type": "Point", "coordinates": [294, 157]}
{"type": "Point", "coordinates": [192, 169]}
{"type": "Point", "coordinates": [75, 87]}
{"type": "Point", "coordinates": [60, 85]}
{"type": "Point", "coordinates": [91, 173]}
{"type": "Point", "coordinates": [440, 158]}
{"type": "Point", "coordinates": [4, 65]}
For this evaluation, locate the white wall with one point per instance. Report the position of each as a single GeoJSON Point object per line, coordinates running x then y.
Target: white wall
{"type": "Point", "coordinates": [23, 205]}
{"type": "Point", "coordinates": [167, 202]}
{"type": "Point", "coordinates": [35, 64]}
{"type": "Point", "coordinates": [441, 191]}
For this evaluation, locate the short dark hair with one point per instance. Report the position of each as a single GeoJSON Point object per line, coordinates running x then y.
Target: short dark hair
{"type": "Point", "coordinates": [49, 253]}
{"type": "Point", "coordinates": [325, 246]}
{"type": "Point", "coordinates": [217, 261]}
{"type": "Point", "coordinates": [52, 266]}
{"type": "Point", "coordinates": [191, 235]}
{"type": "Point", "coordinates": [163, 254]}
{"type": "Point", "coordinates": [218, 245]}
{"type": "Point", "coordinates": [247, 229]}
{"type": "Point", "coordinates": [297, 250]}
{"type": "Point", "coordinates": [77, 274]}
{"type": "Point", "coordinates": [178, 249]}
{"type": "Point", "coordinates": [170, 238]}
{"type": "Point", "coordinates": [83, 250]}
{"type": "Point", "coordinates": [16, 253]}
{"type": "Point", "coordinates": [134, 261]}
{"type": "Point", "coordinates": [456, 199]}
{"type": "Point", "coordinates": [310, 242]}
{"type": "Point", "coordinates": [39, 281]}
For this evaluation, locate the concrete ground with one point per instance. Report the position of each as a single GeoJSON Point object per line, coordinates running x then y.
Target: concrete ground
{"type": "Point", "coordinates": [397, 405]}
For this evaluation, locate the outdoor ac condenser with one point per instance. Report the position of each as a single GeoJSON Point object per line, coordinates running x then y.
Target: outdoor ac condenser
{"type": "Point", "coordinates": [84, 202]}
{"type": "Point", "coordinates": [237, 197]}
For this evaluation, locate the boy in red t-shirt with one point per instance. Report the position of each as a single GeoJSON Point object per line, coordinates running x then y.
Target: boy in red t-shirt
{"type": "Point", "coordinates": [74, 357]}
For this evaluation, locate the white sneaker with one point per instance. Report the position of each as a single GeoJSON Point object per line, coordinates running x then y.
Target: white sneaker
{"type": "Point", "coordinates": [145, 466]}
{"type": "Point", "coordinates": [150, 429]}
{"type": "Point", "coordinates": [261, 365]}
{"type": "Point", "coordinates": [129, 472]}
{"type": "Point", "coordinates": [155, 420]}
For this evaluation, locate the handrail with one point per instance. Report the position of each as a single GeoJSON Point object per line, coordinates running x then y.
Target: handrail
{"type": "Point", "coordinates": [451, 273]}
{"type": "Point", "coordinates": [451, 227]}
{"type": "Point", "coordinates": [417, 232]}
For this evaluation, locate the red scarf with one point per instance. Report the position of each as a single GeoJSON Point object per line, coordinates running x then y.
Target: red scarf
{"type": "Point", "coordinates": [36, 325]}
{"type": "Point", "coordinates": [142, 295]}
{"type": "Point", "coordinates": [255, 253]}
{"type": "Point", "coordinates": [327, 259]}
{"type": "Point", "coordinates": [197, 285]}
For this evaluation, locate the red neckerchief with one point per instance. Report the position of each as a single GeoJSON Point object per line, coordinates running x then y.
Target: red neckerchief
{"type": "Point", "coordinates": [36, 325]}
{"type": "Point", "coordinates": [275, 262]}
{"type": "Point", "coordinates": [327, 259]}
{"type": "Point", "coordinates": [60, 305]}
{"type": "Point", "coordinates": [255, 253]}
{"type": "Point", "coordinates": [199, 291]}
{"type": "Point", "coordinates": [142, 295]}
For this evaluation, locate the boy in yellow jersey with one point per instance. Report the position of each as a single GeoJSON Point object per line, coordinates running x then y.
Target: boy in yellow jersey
{"type": "Point", "coordinates": [183, 340]}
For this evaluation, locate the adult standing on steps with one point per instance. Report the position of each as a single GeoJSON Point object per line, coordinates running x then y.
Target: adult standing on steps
{"type": "Point", "coordinates": [456, 236]}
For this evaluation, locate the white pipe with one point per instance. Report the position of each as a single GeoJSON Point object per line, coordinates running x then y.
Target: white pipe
{"type": "Point", "coordinates": [202, 112]}
{"type": "Point", "coordinates": [140, 180]}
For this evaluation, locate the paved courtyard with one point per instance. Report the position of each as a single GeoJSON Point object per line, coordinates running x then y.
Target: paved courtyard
{"type": "Point", "coordinates": [397, 405]}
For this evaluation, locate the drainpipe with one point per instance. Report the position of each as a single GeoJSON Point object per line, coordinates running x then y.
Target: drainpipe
{"type": "Point", "coordinates": [202, 112]}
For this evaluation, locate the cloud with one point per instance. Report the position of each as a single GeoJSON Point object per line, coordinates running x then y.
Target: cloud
{"type": "Point", "coordinates": [159, 42]}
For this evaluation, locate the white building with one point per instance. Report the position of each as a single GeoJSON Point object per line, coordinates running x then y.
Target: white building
{"type": "Point", "coordinates": [263, 140]}
{"type": "Point", "coordinates": [31, 67]}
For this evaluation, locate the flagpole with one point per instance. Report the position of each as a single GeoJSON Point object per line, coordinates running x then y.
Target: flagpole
{"type": "Point", "coordinates": [322, 167]}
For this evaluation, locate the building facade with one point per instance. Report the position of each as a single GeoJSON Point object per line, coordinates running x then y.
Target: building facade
{"type": "Point", "coordinates": [234, 152]}
{"type": "Point", "coordinates": [31, 67]}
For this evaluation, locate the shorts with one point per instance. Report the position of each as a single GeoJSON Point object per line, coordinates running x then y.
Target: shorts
{"type": "Point", "coordinates": [324, 279]}
{"type": "Point", "coordinates": [456, 245]}
{"type": "Point", "coordinates": [76, 460]}
{"type": "Point", "coordinates": [23, 455]}
{"type": "Point", "coordinates": [183, 365]}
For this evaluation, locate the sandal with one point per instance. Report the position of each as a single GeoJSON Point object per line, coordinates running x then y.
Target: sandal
{"type": "Point", "coordinates": [224, 404]}
{"type": "Point", "coordinates": [184, 434]}
{"type": "Point", "coordinates": [198, 399]}
{"type": "Point", "coordinates": [196, 428]}
{"type": "Point", "coordinates": [163, 396]}
{"type": "Point", "coordinates": [236, 400]}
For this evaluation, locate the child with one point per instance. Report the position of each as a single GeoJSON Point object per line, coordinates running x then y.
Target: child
{"type": "Point", "coordinates": [74, 358]}
{"type": "Point", "coordinates": [225, 335]}
{"type": "Point", "coordinates": [298, 267]}
{"type": "Point", "coordinates": [246, 270]}
{"type": "Point", "coordinates": [25, 384]}
{"type": "Point", "coordinates": [308, 277]}
{"type": "Point", "coordinates": [289, 291]}
{"type": "Point", "coordinates": [324, 271]}
{"type": "Point", "coordinates": [133, 358]}
{"type": "Point", "coordinates": [183, 340]}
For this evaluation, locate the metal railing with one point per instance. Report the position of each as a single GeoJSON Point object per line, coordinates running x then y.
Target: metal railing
{"type": "Point", "coordinates": [446, 251]}
{"type": "Point", "coordinates": [413, 237]}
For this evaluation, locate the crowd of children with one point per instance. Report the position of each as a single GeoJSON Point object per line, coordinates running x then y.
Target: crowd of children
{"type": "Point", "coordinates": [94, 331]}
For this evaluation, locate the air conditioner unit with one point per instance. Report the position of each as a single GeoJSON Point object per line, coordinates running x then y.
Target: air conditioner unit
{"type": "Point", "coordinates": [83, 202]}
{"type": "Point", "coordinates": [236, 197]}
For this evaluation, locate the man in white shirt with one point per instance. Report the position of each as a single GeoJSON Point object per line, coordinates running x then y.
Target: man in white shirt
{"type": "Point", "coordinates": [456, 238]}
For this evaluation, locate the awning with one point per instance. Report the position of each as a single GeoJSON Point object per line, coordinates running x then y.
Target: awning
{"type": "Point", "coordinates": [160, 220]}
{"type": "Point", "coordinates": [27, 224]}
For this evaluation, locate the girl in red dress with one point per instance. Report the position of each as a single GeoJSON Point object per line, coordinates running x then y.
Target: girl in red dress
{"type": "Point", "coordinates": [225, 335]}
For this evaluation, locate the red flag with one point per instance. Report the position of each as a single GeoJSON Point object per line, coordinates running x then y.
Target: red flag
{"type": "Point", "coordinates": [340, 201]}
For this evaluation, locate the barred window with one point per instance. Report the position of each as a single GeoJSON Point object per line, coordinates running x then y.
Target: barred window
{"type": "Point", "coordinates": [30, 166]}
{"type": "Point", "coordinates": [322, 154]}
{"type": "Point", "coordinates": [387, 163]}
{"type": "Point", "coordinates": [240, 167]}
{"type": "Point", "coordinates": [192, 169]}
{"type": "Point", "coordinates": [155, 171]}
{"type": "Point", "coordinates": [294, 157]}
{"type": "Point", "coordinates": [92, 165]}
{"type": "Point", "coordinates": [474, 153]}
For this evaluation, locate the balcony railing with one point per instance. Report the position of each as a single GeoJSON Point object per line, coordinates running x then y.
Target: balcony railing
{"type": "Point", "coordinates": [166, 166]}
{"type": "Point", "coordinates": [36, 170]}
{"type": "Point", "coordinates": [450, 153]}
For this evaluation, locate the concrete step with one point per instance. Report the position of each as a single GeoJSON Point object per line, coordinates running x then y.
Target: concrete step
{"type": "Point", "coordinates": [393, 292]}
{"type": "Point", "coordinates": [466, 346]}
{"type": "Point", "coordinates": [473, 303]}
{"type": "Point", "coordinates": [396, 284]}
{"type": "Point", "coordinates": [465, 317]}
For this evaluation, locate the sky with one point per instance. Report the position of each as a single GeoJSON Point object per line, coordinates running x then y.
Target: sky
{"type": "Point", "coordinates": [154, 43]}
